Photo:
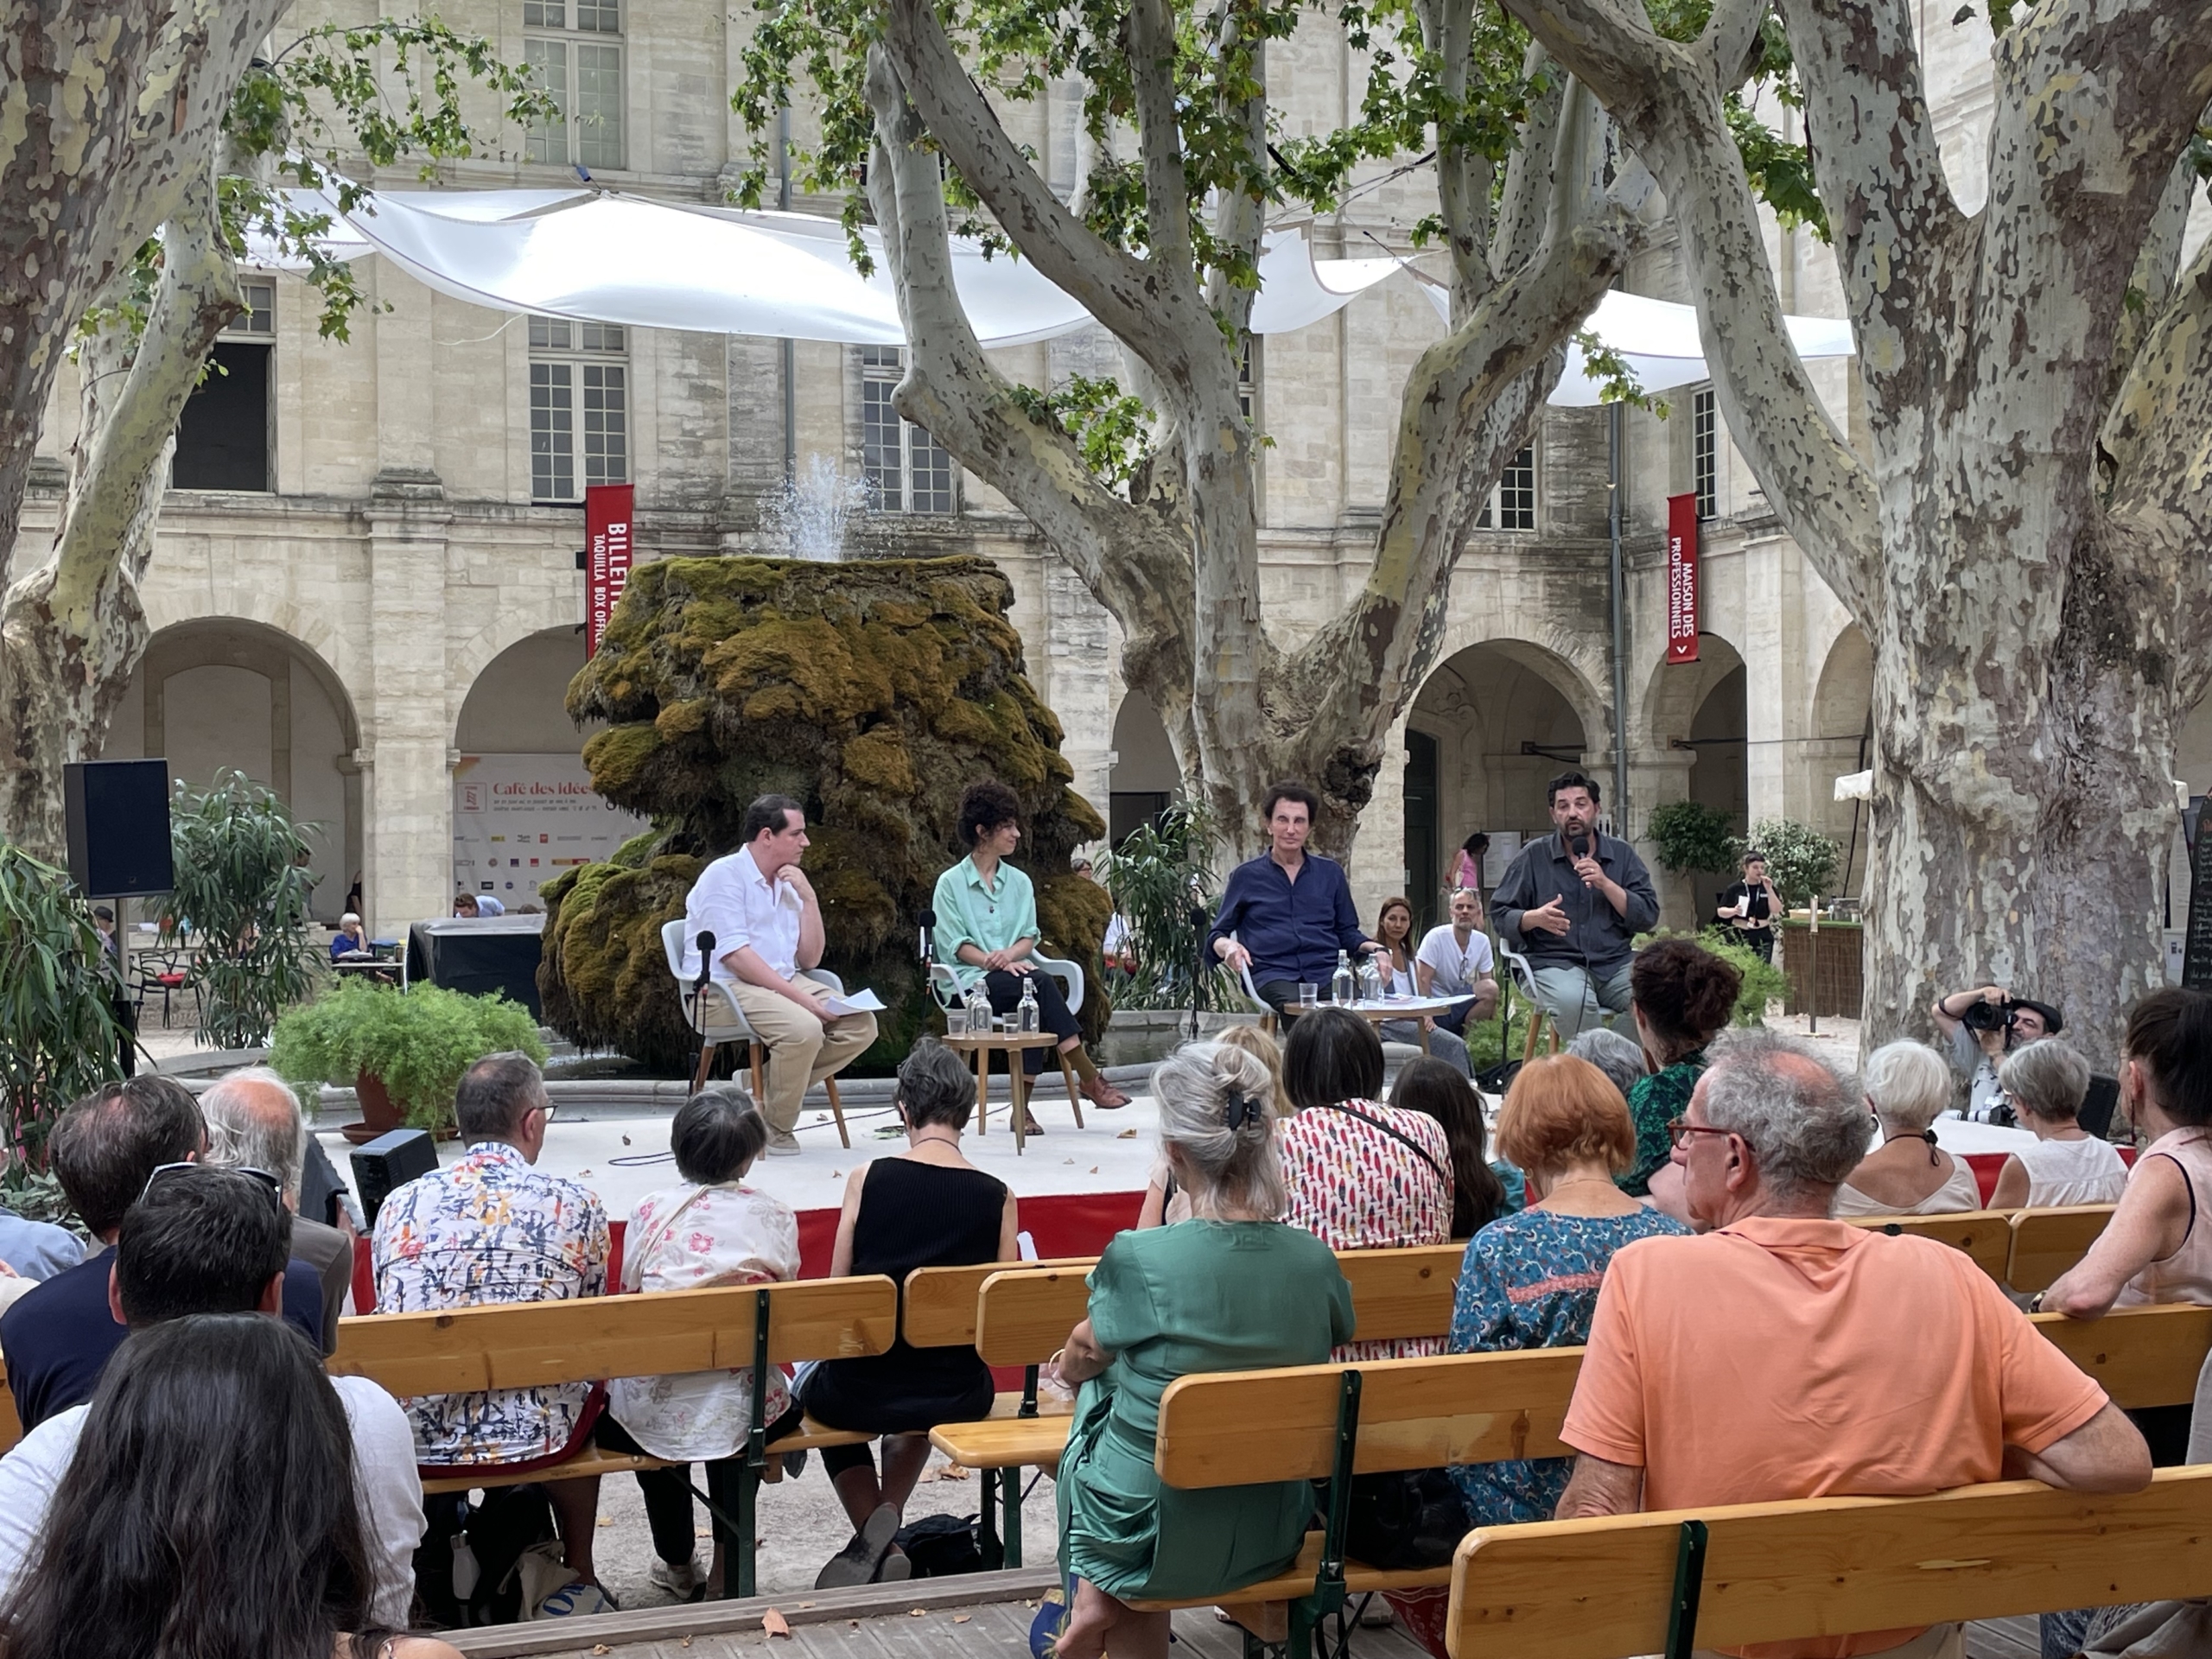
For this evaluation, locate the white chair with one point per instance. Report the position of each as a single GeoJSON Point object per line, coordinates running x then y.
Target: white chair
{"type": "Point", "coordinates": [1524, 980]}
{"type": "Point", "coordinates": [714, 1015]}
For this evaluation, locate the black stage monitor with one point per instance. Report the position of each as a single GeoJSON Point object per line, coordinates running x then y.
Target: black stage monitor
{"type": "Point", "coordinates": [117, 814]}
{"type": "Point", "coordinates": [388, 1163]}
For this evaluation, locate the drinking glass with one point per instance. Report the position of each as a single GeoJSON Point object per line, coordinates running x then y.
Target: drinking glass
{"type": "Point", "coordinates": [1309, 997]}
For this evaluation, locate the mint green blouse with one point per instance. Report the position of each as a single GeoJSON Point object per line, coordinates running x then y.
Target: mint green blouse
{"type": "Point", "coordinates": [989, 917]}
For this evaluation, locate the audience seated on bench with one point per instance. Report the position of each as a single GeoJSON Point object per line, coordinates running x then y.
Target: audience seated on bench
{"type": "Point", "coordinates": [1233, 1291]}
{"type": "Point", "coordinates": [713, 1230]}
{"type": "Point", "coordinates": [927, 1206]}
{"type": "Point", "coordinates": [1771, 1344]}
{"type": "Point", "coordinates": [490, 1229]}
{"type": "Point", "coordinates": [1908, 1086]}
{"type": "Point", "coordinates": [2047, 1082]}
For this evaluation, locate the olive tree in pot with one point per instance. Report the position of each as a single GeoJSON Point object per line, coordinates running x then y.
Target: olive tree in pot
{"type": "Point", "coordinates": [241, 887]}
{"type": "Point", "coordinates": [403, 1051]}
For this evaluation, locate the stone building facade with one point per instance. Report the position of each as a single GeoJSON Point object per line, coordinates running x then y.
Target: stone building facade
{"type": "Point", "coordinates": [381, 580]}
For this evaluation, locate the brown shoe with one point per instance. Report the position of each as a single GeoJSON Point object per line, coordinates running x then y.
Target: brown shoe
{"type": "Point", "coordinates": [1104, 1095]}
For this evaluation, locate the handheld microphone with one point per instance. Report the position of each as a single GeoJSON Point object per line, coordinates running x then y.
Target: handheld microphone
{"type": "Point", "coordinates": [706, 963]}
{"type": "Point", "coordinates": [1580, 846]}
{"type": "Point", "coordinates": [926, 923]}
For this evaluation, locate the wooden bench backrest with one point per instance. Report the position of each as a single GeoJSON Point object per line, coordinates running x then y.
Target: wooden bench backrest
{"type": "Point", "coordinates": [1984, 1235]}
{"type": "Point", "coordinates": [1024, 1315]}
{"type": "Point", "coordinates": [1229, 1428]}
{"type": "Point", "coordinates": [1600, 1589]}
{"type": "Point", "coordinates": [940, 1306]}
{"type": "Point", "coordinates": [2046, 1243]}
{"type": "Point", "coordinates": [531, 1344]}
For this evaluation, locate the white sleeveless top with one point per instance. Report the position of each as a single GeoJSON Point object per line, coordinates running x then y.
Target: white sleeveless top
{"type": "Point", "coordinates": [1961, 1192]}
{"type": "Point", "coordinates": [2072, 1172]}
{"type": "Point", "coordinates": [2186, 1275]}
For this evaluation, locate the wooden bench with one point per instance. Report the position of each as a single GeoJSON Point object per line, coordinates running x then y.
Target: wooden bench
{"type": "Point", "coordinates": [1984, 1235]}
{"type": "Point", "coordinates": [533, 1345]}
{"type": "Point", "coordinates": [1670, 1581]}
{"type": "Point", "coordinates": [1021, 1315]}
{"type": "Point", "coordinates": [2048, 1242]}
{"type": "Point", "coordinates": [1315, 1422]}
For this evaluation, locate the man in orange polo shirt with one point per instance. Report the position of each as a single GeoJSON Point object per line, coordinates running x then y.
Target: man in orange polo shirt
{"type": "Point", "coordinates": [1783, 1355]}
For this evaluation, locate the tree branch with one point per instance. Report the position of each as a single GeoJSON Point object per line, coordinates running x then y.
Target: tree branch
{"type": "Point", "coordinates": [1135, 561]}
{"type": "Point", "coordinates": [1160, 149]}
{"type": "Point", "coordinates": [1154, 309]}
{"type": "Point", "coordinates": [2150, 285]}
{"type": "Point", "coordinates": [1667, 101]}
{"type": "Point", "coordinates": [1732, 34]}
{"type": "Point", "coordinates": [1239, 220]}
{"type": "Point", "coordinates": [1463, 178]}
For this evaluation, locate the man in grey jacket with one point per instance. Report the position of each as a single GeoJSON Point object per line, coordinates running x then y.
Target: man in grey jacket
{"type": "Point", "coordinates": [1570, 903]}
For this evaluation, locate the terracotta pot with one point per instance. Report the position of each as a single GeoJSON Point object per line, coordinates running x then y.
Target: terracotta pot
{"type": "Point", "coordinates": [379, 1116]}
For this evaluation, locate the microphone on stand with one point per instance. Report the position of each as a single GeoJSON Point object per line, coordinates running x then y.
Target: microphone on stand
{"type": "Point", "coordinates": [1201, 923]}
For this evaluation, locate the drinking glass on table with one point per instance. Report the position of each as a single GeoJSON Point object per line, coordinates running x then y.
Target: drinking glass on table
{"type": "Point", "coordinates": [1309, 997]}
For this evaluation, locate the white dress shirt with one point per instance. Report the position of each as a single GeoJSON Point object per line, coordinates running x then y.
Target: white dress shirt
{"type": "Point", "coordinates": [736, 904]}
{"type": "Point", "coordinates": [384, 1483]}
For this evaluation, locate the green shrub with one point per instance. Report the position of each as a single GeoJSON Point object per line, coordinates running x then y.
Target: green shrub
{"type": "Point", "coordinates": [418, 1041]}
{"type": "Point", "coordinates": [58, 1035]}
{"type": "Point", "coordinates": [1762, 981]}
{"type": "Point", "coordinates": [1153, 877]}
{"type": "Point", "coordinates": [1800, 860]}
{"type": "Point", "coordinates": [241, 883]}
{"type": "Point", "coordinates": [1689, 835]}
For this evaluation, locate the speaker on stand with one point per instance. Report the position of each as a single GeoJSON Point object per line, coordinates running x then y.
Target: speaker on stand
{"type": "Point", "coordinates": [116, 819]}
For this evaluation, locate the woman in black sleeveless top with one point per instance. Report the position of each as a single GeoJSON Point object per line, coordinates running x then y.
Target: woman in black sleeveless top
{"type": "Point", "coordinates": [926, 1207]}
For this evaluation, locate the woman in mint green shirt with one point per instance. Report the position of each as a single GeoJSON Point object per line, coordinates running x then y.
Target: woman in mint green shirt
{"type": "Point", "coordinates": [1231, 1289]}
{"type": "Point", "coordinates": [987, 928]}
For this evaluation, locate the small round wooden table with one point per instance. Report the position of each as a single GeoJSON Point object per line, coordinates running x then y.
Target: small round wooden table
{"type": "Point", "coordinates": [1404, 1007]}
{"type": "Point", "coordinates": [1014, 1045]}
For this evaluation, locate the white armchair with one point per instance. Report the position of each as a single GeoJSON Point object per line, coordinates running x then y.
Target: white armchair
{"type": "Point", "coordinates": [714, 1015]}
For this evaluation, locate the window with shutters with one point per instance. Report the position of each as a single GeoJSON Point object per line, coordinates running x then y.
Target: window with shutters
{"type": "Point", "coordinates": [578, 407]}
{"type": "Point", "coordinates": [907, 470]}
{"type": "Point", "coordinates": [1705, 452]}
{"type": "Point", "coordinates": [574, 49]}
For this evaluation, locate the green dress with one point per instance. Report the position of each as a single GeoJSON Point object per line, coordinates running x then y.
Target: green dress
{"type": "Point", "coordinates": [1653, 1102]}
{"type": "Point", "coordinates": [1168, 1302]}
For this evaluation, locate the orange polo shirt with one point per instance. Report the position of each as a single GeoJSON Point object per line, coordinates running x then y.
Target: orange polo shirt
{"type": "Point", "coordinates": [1783, 1359]}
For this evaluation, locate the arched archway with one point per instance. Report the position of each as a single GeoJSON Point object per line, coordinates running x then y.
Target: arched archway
{"type": "Point", "coordinates": [1842, 717]}
{"type": "Point", "coordinates": [1505, 715]}
{"type": "Point", "coordinates": [523, 809]}
{"type": "Point", "coordinates": [1145, 779]}
{"type": "Point", "coordinates": [222, 692]}
{"type": "Point", "coordinates": [1700, 706]}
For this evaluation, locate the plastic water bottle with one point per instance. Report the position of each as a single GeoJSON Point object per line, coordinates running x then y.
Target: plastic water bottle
{"type": "Point", "coordinates": [1027, 1012]}
{"type": "Point", "coordinates": [979, 1009]}
{"type": "Point", "coordinates": [1344, 988]}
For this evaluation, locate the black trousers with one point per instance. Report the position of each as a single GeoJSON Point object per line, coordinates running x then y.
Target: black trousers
{"type": "Point", "coordinates": [1052, 1015]}
{"type": "Point", "coordinates": [668, 1492]}
{"type": "Point", "coordinates": [1761, 940]}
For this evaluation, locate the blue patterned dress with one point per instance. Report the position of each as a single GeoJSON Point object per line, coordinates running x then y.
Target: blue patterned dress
{"type": "Point", "coordinates": [1530, 1281]}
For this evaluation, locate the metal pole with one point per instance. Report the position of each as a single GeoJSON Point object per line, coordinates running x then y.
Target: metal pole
{"type": "Point", "coordinates": [791, 353]}
{"type": "Point", "coordinates": [1620, 618]}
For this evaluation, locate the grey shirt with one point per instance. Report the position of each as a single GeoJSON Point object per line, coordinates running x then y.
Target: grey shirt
{"type": "Point", "coordinates": [1597, 938]}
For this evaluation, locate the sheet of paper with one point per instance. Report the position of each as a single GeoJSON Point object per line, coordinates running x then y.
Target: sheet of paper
{"type": "Point", "coordinates": [860, 1001]}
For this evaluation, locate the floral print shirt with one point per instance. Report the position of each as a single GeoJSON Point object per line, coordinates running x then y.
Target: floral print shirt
{"type": "Point", "coordinates": [1364, 1176]}
{"type": "Point", "coordinates": [692, 1238]}
{"type": "Point", "coordinates": [490, 1230]}
{"type": "Point", "coordinates": [1531, 1280]}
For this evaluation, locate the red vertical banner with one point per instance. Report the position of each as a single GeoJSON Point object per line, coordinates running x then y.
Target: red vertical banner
{"type": "Point", "coordinates": [1682, 578]}
{"type": "Point", "coordinates": [607, 562]}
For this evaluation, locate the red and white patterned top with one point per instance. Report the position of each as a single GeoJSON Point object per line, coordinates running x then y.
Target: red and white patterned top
{"type": "Point", "coordinates": [1355, 1187]}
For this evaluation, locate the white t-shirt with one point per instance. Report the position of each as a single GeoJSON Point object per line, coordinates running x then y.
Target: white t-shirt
{"type": "Point", "coordinates": [1457, 970]}
{"type": "Point", "coordinates": [736, 904]}
{"type": "Point", "coordinates": [383, 1477]}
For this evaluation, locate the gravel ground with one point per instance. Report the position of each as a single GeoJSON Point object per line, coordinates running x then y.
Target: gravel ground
{"type": "Point", "coordinates": [801, 1526]}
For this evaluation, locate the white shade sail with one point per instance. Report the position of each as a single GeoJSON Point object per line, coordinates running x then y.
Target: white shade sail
{"type": "Point", "coordinates": [605, 257]}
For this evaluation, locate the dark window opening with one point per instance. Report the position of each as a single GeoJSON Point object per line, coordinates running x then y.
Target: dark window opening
{"type": "Point", "coordinates": [1128, 810]}
{"type": "Point", "coordinates": [222, 437]}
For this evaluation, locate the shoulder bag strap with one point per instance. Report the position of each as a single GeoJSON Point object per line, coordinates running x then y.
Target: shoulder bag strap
{"type": "Point", "coordinates": [1403, 1139]}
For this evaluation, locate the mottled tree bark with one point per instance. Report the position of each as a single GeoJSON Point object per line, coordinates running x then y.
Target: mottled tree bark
{"type": "Point", "coordinates": [2037, 595]}
{"type": "Point", "coordinates": [1177, 564]}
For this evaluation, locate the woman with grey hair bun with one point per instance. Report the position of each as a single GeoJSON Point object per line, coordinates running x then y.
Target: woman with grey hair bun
{"type": "Point", "coordinates": [1908, 1086]}
{"type": "Point", "coordinates": [2046, 1082]}
{"type": "Point", "coordinates": [1230, 1289]}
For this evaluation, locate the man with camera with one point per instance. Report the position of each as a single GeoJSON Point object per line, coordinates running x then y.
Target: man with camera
{"type": "Point", "coordinates": [1982, 1027]}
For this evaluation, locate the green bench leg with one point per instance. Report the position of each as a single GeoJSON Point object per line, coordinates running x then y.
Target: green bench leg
{"type": "Point", "coordinates": [756, 1455]}
{"type": "Point", "coordinates": [1010, 1487]}
{"type": "Point", "coordinates": [987, 1524]}
{"type": "Point", "coordinates": [1689, 1583]}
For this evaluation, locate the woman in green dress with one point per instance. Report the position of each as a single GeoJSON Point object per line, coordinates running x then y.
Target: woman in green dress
{"type": "Point", "coordinates": [1230, 1289]}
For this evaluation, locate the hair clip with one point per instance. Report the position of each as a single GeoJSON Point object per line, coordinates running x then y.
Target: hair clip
{"type": "Point", "coordinates": [1241, 1109]}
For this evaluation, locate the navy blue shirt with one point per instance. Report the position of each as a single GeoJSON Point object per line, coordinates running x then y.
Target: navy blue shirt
{"type": "Point", "coordinates": [1293, 929]}
{"type": "Point", "coordinates": [57, 1339]}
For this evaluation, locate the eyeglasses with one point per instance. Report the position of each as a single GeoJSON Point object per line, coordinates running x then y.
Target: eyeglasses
{"type": "Point", "coordinates": [267, 1182]}
{"type": "Point", "coordinates": [1678, 1128]}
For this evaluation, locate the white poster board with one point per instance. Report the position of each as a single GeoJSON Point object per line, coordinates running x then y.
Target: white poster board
{"type": "Point", "coordinates": [520, 820]}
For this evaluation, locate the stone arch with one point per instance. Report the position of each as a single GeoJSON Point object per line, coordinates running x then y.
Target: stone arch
{"type": "Point", "coordinates": [215, 691]}
{"type": "Point", "coordinates": [521, 615]}
{"type": "Point", "coordinates": [1845, 692]}
{"type": "Point", "coordinates": [514, 704]}
{"type": "Point", "coordinates": [1145, 778]}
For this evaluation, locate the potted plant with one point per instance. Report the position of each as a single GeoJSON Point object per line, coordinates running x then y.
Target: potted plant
{"type": "Point", "coordinates": [404, 1051]}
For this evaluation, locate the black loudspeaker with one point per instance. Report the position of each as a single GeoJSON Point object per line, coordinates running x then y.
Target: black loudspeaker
{"type": "Point", "coordinates": [117, 813]}
{"type": "Point", "coordinates": [388, 1163]}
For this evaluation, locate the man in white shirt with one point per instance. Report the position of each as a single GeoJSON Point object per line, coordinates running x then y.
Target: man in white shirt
{"type": "Point", "coordinates": [205, 1240]}
{"type": "Point", "coordinates": [767, 927]}
{"type": "Point", "coordinates": [1455, 960]}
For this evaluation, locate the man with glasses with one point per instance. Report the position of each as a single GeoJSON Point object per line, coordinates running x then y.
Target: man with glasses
{"type": "Point", "coordinates": [1783, 1355]}
{"type": "Point", "coordinates": [491, 1228]}
{"type": "Point", "coordinates": [104, 1150]}
{"type": "Point", "coordinates": [204, 1240]}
